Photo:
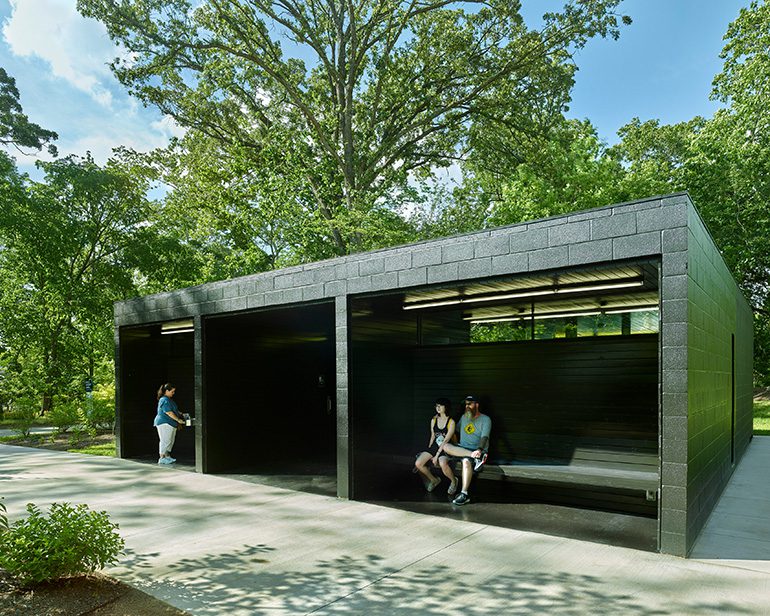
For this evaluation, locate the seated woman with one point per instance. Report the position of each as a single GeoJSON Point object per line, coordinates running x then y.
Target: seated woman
{"type": "Point", "coordinates": [442, 429]}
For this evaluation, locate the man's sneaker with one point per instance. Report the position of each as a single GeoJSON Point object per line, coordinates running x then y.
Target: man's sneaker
{"type": "Point", "coordinates": [480, 461]}
{"type": "Point", "coordinates": [164, 461]}
{"type": "Point", "coordinates": [461, 499]}
{"type": "Point", "coordinates": [431, 485]}
{"type": "Point", "coordinates": [452, 487]}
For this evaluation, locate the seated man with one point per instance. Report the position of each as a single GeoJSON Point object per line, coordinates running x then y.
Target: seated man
{"type": "Point", "coordinates": [474, 443]}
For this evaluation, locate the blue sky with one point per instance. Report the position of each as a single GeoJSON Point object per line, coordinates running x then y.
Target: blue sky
{"type": "Point", "coordinates": [661, 67]}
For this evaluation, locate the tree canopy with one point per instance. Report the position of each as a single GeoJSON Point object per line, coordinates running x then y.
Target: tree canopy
{"type": "Point", "coordinates": [347, 103]}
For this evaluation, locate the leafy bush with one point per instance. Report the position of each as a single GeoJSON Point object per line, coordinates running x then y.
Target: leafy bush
{"type": "Point", "coordinates": [64, 415]}
{"type": "Point", "coordinates": [69, 541]}
{"type": "Point", "coordinates": [24, 412]}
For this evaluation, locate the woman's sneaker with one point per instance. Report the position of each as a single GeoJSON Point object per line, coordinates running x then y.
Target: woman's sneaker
{"type": "Point", "coordinates": [461, 499]}
{"type": "Point", "coordinates": [452, 487]}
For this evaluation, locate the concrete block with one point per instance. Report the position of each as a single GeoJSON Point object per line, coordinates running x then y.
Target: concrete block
{"type": "Point", "coordinates": [325, 273]}
{"type": "Point", "coordinates": [674, 358]}
{"type": "Point", "coordinates": [361, 284]}
{"type": "Point", "coordinates": [291, 296]}
{"type": "Point", "coordinates": [346, 270]}
{"type": "Point", "coordinates": [255, 301]}
{"type": "Point", "coordinates": [675, 428]}
{"type": "Point", "coordinates": [649, 204]}
{"type": "Point", "coordinates": [674, 240]}
{"type": "Point", "coordinates": [477, 268]}
{"type": "Point", "coordinates": [674, 474]}
{"type": "Point", "coordinates": [674, 310]}
{"type": "Point", "coordinates": [674, 263]}
{"type": "Point", "coordinates": [426, 256]}
{"type": "Point", "coordinates": [673, 497]}
{"type": "Point", "coordinates": [548, 258]}
{"type": "Point", "coordinates": [669, 217]}
{"type": "Point", "coordinates": [457, 251]}
{"type": "Point", "coordinates": [384, 281]}
{"type": "Point", "coordinates": [675, 450]}
{"type": "Point", "coordinates": [532, 239]}
{"type": "Point", "coordinates": [368, 267]}
{"type": "Point", "coordinates": [214, 293]}
{"type": "Point", "coordinates": [335, 287]}
{"type": "Point", "coordinates": [674, 544]}
{"type": "Point", "coordinates": [674, 287]}
{"type": "Point", "coordinates": [674, 521]}
{"type": "Point", "coordinates": [238, 303]}
{"type": "Point", "coordinates": [675, 381]}
{"type": "Point", "coordinates": [613, 226]}
{"type": "Point", "coordinates": [569, 233]}
{"type": "Point", "coordinates": [312, 292]}
{"type": "Point", "coordinates": [446, 272]}
{"type": "Point", "coordinates": [591, 215]}
{"type": "Point", "coordinates": [398, 261]}
{"type": "Point", "coordinates": [273, 297]}
{"type": "Point", "coordinates": [674, 334]}
{"type": "Point", "coordinates": [510, 264]}
{"type": "Point", "coordinates": [340, 311]}
{"type": "Point", "coordinates": [413, 277]}
{"type": "Point", "coordinates": [640, 245]}
{"type": "Point", "coordinates": [285, 281]}
{"type": "Point", "coordinates": [493, 246]}
{"type": "Point", "coordinates": [590, 252]}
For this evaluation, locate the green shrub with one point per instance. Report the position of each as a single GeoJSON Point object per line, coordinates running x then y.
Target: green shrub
{"type": "Point", "coordinates": [64, 415]}
{"type": "Point", "coordinates": [25, 411]}
{"type": "Point", "coordinates": [69, 541]}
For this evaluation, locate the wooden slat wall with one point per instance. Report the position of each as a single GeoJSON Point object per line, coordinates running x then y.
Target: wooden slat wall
{"type": "Point", "coordinates": [547, 398]}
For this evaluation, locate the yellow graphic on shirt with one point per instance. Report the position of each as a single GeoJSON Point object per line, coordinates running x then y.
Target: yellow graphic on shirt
{"type": "Point", "coordinates": [470, 429]}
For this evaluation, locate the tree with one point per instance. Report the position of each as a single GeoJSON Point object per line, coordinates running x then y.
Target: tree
{"type": "Point", "coordinates": [15, 128]}
{"type": "Point", "coordinates": [65, 260]}
{"type": "Point", "coordinates": [361, 99]}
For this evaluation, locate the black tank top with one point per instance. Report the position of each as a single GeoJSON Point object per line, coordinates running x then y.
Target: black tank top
{"type": "Point", "coordinates": [440, 432]}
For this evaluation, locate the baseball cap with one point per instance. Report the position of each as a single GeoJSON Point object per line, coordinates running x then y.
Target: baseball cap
{"type": "Point", "coordinates": [471, 398]}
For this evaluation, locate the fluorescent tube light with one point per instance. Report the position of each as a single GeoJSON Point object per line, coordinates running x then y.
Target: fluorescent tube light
{"type": "Point", "coordinates": [559, 315]}
{"type": "Point", "coordinates": [624, 284]}
{"type": "Point", "coordinates": [178, 327]}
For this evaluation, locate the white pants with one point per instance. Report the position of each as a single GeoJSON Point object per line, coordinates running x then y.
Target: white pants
{"type": "Point", "coordinates": [167, 435]}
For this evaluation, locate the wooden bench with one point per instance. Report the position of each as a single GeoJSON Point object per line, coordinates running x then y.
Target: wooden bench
{"type": "Point", "coordinates": [603, 468]}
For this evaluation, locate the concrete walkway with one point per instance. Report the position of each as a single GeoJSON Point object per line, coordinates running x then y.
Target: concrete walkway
{"type": "Point", "coordinates": [215, 546]}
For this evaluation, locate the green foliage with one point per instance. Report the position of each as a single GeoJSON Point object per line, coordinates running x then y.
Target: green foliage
{"type": "Point", "coordinates": [384, 97]}
{"type": "Point", "coordinates": [102, 449]}
{"type": "Point", "coordinates": [3, 517]}
{"type": "Point", "coordinates": [69, 541]}
{"type": "Point", "coordinates": [65, 260]}
{"type": "Point", "coordinates": [64, 415]}
{"type": "Point", "coordinates": [762, 417]}
{"type": "Point", "coordinates": [25, 410]}
{"type": "Point", "coordinates": [15, 127]}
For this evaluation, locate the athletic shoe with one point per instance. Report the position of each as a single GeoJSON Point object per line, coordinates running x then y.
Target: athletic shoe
{"type": "Point", "coordinates": [461, 499]}
{"type": "Point", "coordinates": [172, 460]}
{"type": "Point", "coordinates": [480, 462]}
{"type": "Point", "coordinates": [452, 487]}
{"type": "Point", "coordinates": [431, 485]}
{"type": "Point", "coordinates": [164, 461]}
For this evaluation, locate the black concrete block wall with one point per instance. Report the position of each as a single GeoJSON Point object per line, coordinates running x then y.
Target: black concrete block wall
{"type": "Point", "coordinates": [718, 377]}
{"type": "Point", "coordinates": [654, 228]}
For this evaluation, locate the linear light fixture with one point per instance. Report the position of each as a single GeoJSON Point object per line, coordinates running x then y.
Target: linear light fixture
{"type": "Point", "coordinates": [178, 327]}
{"type": "Point", "coordinates": [555, 290]}
{"type": "Point", "coordinates": [559, 315]}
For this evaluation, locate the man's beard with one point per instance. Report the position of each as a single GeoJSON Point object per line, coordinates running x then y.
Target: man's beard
{"type": "Point", "coordinates": [468, 414]}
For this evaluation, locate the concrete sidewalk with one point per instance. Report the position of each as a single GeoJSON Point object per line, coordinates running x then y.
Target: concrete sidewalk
{"type": "Point", "coordinates": [211, 545]}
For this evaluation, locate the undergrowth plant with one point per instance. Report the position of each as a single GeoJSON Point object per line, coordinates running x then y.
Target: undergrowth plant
{"type": "Point", "coordinates": [70, 540]}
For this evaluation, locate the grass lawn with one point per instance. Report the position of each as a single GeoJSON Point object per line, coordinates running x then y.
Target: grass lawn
{"type": "Point", "coordinates": [101, 444]}
{"type": "Point", "coordinates": [762, 417]}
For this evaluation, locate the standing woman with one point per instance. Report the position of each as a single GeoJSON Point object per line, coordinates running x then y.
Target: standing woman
{"type": "Point", "coordinates": [442, 428]}
{"type": "Point", "coordinates": [167, 421]}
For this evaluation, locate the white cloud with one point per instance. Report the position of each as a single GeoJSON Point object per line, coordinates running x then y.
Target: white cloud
{"type": "Point", "coordinates": [77, 49]}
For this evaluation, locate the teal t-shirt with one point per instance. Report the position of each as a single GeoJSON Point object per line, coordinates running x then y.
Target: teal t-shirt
{"type": "Point", "coordinates": [166, 405]}
{"type": "Point", "coordinates": [473, 430]}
